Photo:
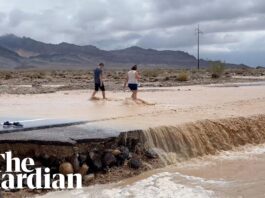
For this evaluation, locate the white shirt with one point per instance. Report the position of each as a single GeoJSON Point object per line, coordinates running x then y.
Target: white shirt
{"type": "Point", "coordinates": [132, 77]}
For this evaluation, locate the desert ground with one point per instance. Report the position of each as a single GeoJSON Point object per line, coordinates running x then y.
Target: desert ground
{"type": "Point", "coordinates": [48, 81]}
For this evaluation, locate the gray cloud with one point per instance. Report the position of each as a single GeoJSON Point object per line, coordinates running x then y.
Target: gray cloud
{"type": "Point", "coordinates": [231, 28]}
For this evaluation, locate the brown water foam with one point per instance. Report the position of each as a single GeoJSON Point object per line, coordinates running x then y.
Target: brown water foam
{"type": "Point", "coordinates": [178, 143]}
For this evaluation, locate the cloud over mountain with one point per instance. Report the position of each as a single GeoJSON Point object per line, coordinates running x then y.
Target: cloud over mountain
{"type": "Point", "coordinates": [230, 27]}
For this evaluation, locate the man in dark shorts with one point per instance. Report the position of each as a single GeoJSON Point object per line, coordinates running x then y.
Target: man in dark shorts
{"type": "Point", "coordinates": [98, 79]}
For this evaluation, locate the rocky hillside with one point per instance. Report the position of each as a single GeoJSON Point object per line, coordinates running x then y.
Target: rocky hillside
{"type": "Point", "coordinates": [8, 58]}
{"type": "Point", "coordinates": [17, 52]}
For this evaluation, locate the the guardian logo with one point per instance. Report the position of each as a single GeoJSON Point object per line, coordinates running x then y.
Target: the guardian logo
{"type": "Point", "coordinates": [19, 172]}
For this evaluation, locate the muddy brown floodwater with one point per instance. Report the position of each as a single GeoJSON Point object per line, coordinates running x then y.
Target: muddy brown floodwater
{"type": "Point", "coordinates": [238, 173]}
{"type": "Point", "coordinates": [166, 105]}
{"type": "Point", "coordinates": [211, 138]}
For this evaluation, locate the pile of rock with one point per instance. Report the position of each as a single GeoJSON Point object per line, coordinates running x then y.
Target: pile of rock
{"type": "Point", "coordinates": [87, 164]}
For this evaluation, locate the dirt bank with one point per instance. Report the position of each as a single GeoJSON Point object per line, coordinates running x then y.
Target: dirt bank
{"type": "Point", "coordinates": [131, 153]}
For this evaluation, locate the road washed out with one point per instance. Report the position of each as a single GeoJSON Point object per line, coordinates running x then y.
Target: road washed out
{"type": "Point", "coordinates": [184, 125]}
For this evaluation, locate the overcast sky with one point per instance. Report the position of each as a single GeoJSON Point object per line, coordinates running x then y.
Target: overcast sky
{"type": "Point", "coordinates": [234, 30]}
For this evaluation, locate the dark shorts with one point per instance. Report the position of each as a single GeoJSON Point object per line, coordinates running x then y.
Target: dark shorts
{"type": "Point", "coordinates": [133, 87]}
{"type": "Point", "coordinates": [99, 86]}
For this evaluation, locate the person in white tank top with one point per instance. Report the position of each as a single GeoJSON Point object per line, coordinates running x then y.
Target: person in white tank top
{"type": "Point", "coordinates": [132, 79]}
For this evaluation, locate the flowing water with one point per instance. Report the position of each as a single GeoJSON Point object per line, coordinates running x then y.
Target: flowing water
{"type": "Point", "coordinates": [230, 174]}
{"type": "Point", "coordinates": [178, 143]}
{"type": "Point", "coordinates": [222, 158]}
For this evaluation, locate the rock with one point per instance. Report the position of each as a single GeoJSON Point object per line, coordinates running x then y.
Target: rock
{"type": "Point", "coordinates": [138, 149]}
{"type": "Point", "coordinates": [130, 156]}
{"type": "Point", "coordinates": [135, 163]}
{"type": "Point", "coordinates": [53, 161]}
{"type": "Point", "coordinates": [49, 161]}
{"type": "Point", "coordinates": [84, 169]}
{"type": "Point", "coordinates": [120, 161]}
{"type": "Point", "coordinates": [88, 178]}
{"type": "Point", "coordinates": [116, 152]}
{"type": "Point", "coordinates": [54, 170]}
{"type": "Point", "coordinates": [75, 162]}
{"type": "Point", "coordinates": [124, 155]}
{"type": "Point", "coordinates": [109, 160]}
{"type": "Point", "coordinates": [66, 168]}
{"type": "Point", "coordinates": [45, 160]}
{"type": "Point", "coordinates": [150, 153]}
{"type": "Point", "coordinates": [95, 161]}
{"type": "Point", "coordinates": [82, 158]}
{"type": "Point", "coordinates": [124, 152]}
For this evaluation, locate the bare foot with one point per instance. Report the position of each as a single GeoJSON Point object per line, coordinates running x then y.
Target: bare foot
{"type": "Point", "coordinates": [94, 98]}
{"type": "Point", "coordinates": [140, 101]}
{"type": "Point", "coordinates": [113, 99]}
{"type": "Point", "coordinates": [137, 101]}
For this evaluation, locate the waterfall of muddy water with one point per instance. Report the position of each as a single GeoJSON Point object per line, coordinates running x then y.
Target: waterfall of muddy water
{"type": "Point", "coordinates": [220, 158]}
{"type": "Point", "coordinates": [231, 174]}
{"type": "Point", "coordinates": [178, 143]}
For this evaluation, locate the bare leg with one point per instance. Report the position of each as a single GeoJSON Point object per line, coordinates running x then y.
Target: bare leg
{"type": "Point", "coordinates": [134, 95]}
{"type": "Point", "coordinates": [94, 95]}
{"type": "Point", "coordinates": [103, 95]}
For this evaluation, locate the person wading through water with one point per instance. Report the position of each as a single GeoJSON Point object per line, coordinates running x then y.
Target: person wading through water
{"type": "Point", "coordinates": [132, 79]}
{"type": "Point", "coordinates": [99, 84]}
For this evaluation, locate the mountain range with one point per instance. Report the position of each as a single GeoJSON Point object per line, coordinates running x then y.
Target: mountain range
{"type": "Point", "coordinates": [24, 53]}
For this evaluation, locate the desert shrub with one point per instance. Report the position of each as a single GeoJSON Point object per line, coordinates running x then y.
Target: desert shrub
{"type": "Point", "coordinates": [7, 76]}
{"type": "Point", "coordinates": [166, 78]}
{"type": "Point", "coordinates": [54, 73]}
{"type": "Point", "coordinates": [36, 75]}
{"type": "Point", "coordinates": [183, 76]}
{"type": "Point", "coordinates": [217, 69]}
{"type": "Point", "coordinates": [36, 84]}
{"type": "Point", "coordinates": [151, 73]}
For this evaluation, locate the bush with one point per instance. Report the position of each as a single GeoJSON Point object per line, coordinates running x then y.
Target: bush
{"type": "Point", "coordinates": [217, 69]}
{"type": "Point", "coordinates": [8, 76]}
{"type": "Point", "coordinates": [36, 75]}
{"type": "Point", "coordinates": [151, 73]}
{"type": "Point", "coordinates": [183, 76]}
